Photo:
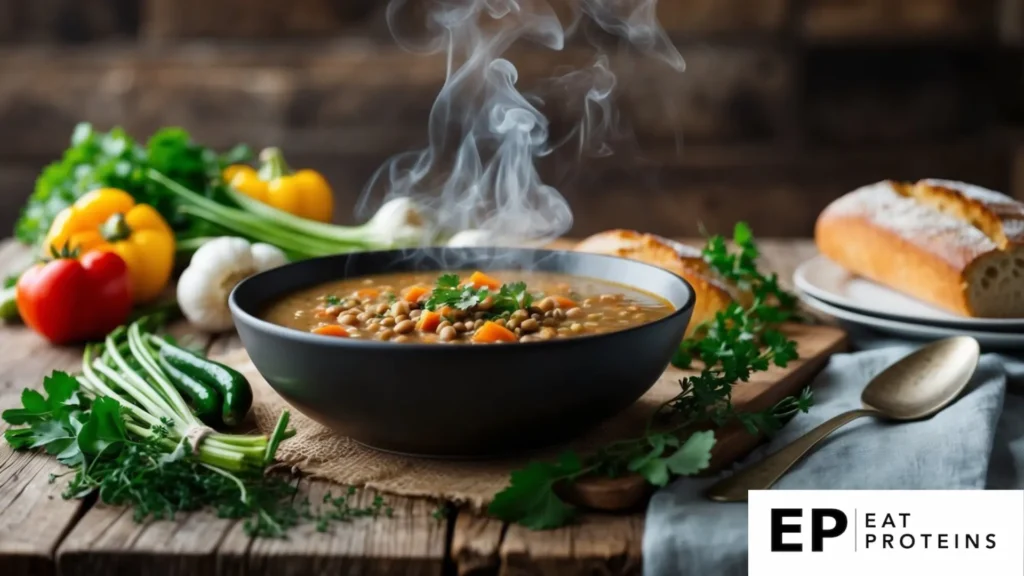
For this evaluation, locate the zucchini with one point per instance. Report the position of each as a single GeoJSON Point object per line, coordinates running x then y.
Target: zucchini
{"type": "Point", "coordinates": [234, 391]}
{"type": "Point", "coordinates": [203, 399]}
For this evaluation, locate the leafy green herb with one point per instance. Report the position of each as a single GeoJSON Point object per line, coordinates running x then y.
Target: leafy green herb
{"type": "Point", "coordinates": [512, 297]}
{"type": "Point", "coordinates": [449, 292]}
{"type": "Point", "coordinates": [113, 159]}
{"type": "Point", "coordinates": [739, 341]}
{"type": "Point", "coordinates": [157, 485]}
{"type": "Point", "coordinates": [740, 268]}
{"type": "Point", "coordinates": [530, 499]}
{"type": "Point", "coordinates": [332, 300]}
{"type": "Point", "coordinates": [339, 509]}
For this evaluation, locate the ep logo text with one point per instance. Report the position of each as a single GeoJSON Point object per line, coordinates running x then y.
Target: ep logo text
{"type": "Point", "coordinates": [824, 523]}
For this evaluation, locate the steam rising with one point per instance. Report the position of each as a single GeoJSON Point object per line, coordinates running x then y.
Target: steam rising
{"type": "Point", "coordinates": [477, 176]}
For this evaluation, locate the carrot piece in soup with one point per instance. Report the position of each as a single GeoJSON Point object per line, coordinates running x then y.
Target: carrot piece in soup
{"type": "Point", "coordinates": [563, 302]}
{"type": "Point", "coordinates": [367, 293]}
{"type": "Point", "coordinates": [331, 330]}
{"type": "Point", "coordinates": [428, 321]}
{"type": "Point", "coordinates": [447, 312]}
{"type": "Point", "coordinates": [491, 332]}
{"type": "Point", "coordinates": [413, 294]}
{"type": "Point", "coordinates": [481, 280]}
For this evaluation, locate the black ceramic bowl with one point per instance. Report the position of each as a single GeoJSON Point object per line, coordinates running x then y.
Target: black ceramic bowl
{"type": "Point", "coordinates": [460, 400]}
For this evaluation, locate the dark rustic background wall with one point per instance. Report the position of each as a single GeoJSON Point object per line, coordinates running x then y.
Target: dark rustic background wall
{"type": "Point", "coordinates": [785, 104]}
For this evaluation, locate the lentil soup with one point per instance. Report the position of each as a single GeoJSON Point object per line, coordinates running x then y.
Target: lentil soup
{"type": "Point", "coordinates": [462, 308]}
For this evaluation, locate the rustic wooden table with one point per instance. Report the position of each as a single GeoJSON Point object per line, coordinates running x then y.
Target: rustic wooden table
{"type": "Point", "coordinates": [41, 533]}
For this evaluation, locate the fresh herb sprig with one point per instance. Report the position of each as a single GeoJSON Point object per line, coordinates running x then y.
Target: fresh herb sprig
{"type": "Point", "coordinates": [450, 292]}
{"type": "Point", "coordinates": [739, 341]}
{"type": "Point", "coordinates": [739, 267]}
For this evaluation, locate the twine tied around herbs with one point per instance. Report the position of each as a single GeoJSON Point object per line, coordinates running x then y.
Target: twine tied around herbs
{"type": "Point", "coordinates": [197, 434]}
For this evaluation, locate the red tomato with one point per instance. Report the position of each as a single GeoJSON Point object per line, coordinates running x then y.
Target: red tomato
{"type": "Point", "coordinates": [68, 300]}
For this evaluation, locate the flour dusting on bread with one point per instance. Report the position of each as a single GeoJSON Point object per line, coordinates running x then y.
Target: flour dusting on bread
{"type": "Point", "coordinates": [1000, 206]}
{"type": "Point", "coordinates": [916, 223]}
{"type": "Point", "coordinates": [953, 244]}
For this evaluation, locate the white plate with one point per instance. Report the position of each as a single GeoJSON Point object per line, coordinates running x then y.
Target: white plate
{"type": "Point", "coordinates": [828, 282]}
{"type": "Point", "coordinates": [917, 331]}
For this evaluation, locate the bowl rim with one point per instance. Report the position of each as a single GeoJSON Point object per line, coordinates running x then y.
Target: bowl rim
{"type": "Point", "coordinates": [239, 314]}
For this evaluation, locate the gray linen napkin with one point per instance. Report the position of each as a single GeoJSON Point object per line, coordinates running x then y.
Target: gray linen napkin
{"type": "Point", "coordinates": [975, 443]}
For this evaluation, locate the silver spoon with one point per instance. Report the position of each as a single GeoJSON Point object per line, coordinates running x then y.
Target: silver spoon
{"type": "Point", "coordinates": [917, 386]}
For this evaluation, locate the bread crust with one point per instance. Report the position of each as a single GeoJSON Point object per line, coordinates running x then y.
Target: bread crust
{"type": "Point", "coordinates": [713, 294]}
{"type": "Point", "coordinates": [934, 240]}
{"type": "Point", "coordinates": [998, 215]}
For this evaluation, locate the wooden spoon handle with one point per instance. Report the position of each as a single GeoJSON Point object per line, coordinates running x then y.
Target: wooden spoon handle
{"type": "Point", "coordinates": [767, 472]}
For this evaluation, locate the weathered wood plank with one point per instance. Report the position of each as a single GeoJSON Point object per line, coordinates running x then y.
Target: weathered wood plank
{"type": "Point", "coordinates": [709, 17]}
{"type": "Point", "coordinates": [168, 20]}
{"type": "Point", "coordinates": [596, 544]}
{"type": "Point", "coordinates": [895, 19]}
{"type": "Point", "coordinates": [933, 95]}
{"type": "Point", "coordinates": [108, 540]}
{"type": "Point", "coordinates": [476, 542]}
{"type": "Point", "coordinates": [33, 516]}
{"type": "Point", "coordinates": [1009, 16]}
{"type": "Point", "coordinates": [352, 99]}
{"type": "Point", "coordinates": [60, 21]}
{"type": "Point", "coordinates": [411, 542]}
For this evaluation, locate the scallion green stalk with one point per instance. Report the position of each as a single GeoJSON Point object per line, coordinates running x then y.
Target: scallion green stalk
{"type": "Point", "coordinates": [398, 224]}
{"type": "Point", "coordinates": [252, 225]}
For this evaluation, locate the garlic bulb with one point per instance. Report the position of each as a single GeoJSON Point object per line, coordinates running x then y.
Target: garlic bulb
{"type": "Point", "coordinates": [400, 222]}
{"type": "Point", "coordinates": [215, 269]}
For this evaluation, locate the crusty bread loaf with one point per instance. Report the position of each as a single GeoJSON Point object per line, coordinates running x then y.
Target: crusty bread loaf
{"type": "Point", "coordinates": [713, 294]}
{"type": "Point", "coordinates": [957, 246]}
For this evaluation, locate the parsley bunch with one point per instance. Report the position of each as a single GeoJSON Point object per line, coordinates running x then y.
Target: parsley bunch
{"type": "Point", "coordinates": [115, 160]}
{"type": "Point", "coordinates": [507, 299]}
{"type": "Point", "coordinates": [739, 341]}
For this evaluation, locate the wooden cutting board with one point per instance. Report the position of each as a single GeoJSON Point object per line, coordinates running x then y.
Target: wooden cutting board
{"type": "Point", "coordinates": [815, 344]}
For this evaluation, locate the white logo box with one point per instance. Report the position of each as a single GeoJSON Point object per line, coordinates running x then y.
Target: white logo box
{"type": "Point", "coordinates": [955, 532]}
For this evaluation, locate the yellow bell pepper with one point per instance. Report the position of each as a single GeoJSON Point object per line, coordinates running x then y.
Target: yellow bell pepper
{"type": "Point", "coordinates": [109, 220]}
{"type": "Point", "coordinates": [304, 193]}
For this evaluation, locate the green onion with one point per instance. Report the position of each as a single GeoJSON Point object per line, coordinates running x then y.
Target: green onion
{"type": "Point", "coordinates": [398, 223]}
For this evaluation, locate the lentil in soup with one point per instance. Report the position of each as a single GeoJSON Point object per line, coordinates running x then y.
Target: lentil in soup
{"type": "Point", "coordinates": [478, 308]}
